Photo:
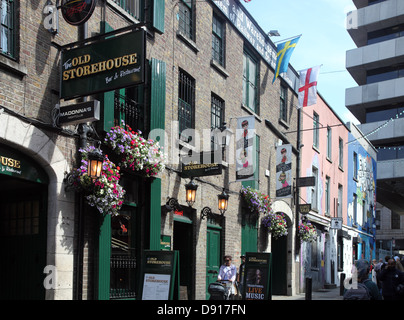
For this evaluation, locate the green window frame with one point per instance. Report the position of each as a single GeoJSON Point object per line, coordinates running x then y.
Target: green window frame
{"type": "Point", "coordinates": [283, 103]}
{"type": "Point", "coordinates": [250, 82]}
{"type": "Point", "coordinates": [123, 263]}
{"type": "Point", "coordinates": [132, 7]}
{"type": "Point", "coordinates": [8, 28]}
{"type": "Point", "coordinates": [218, 40]}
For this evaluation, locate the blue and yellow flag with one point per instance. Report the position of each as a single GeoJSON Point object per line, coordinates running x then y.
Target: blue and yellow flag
{"type": "Point", "coordinates": [285, 50]}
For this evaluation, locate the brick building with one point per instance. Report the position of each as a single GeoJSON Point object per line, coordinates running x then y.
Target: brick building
{"type": "Point", "coordinates": [206, 64]}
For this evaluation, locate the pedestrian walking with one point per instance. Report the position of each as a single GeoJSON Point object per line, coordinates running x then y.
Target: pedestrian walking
{"type": "Point", "coordinates": [399, 266]}
{"type": "Point", "coordinates": [363, 288]}
{"type": "Point", "coordinates": [391, 279]}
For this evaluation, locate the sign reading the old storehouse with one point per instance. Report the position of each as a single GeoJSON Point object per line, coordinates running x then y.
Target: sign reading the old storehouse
{"type": "Point", "coordinates": [202, 164]}
{"type": "Point", "coordinates": [106, 65]}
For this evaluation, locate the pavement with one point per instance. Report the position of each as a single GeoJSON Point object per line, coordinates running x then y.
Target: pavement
{"type": "Point", "coordinates": [322, 294]}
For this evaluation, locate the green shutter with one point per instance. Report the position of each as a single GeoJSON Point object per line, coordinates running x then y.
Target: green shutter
{"type": "Point", "coordinates": [108, 97]}
{"type": "Point", "coordinates": [155, 214]}
{"type": "Point", "coordinates": [104, 252]}
{"type": "Point", "coordinates": [158, 15]}
{"type": "Point", "coordinates": [249, 232]}
{"type": "Point", "coordinates": [157, 121]}
{"type": "Point", "coordinates": [158, 96]}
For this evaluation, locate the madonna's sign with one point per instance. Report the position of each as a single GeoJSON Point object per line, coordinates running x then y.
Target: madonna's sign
{"type": "Point", "coordinates": [79, 113]}
{"type": "Point", "coordinates": [107, 65]}
{"type": "Point", "coordinates": [77, 12]}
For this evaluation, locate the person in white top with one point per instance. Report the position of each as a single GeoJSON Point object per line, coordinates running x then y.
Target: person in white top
{"type": "Point", "coordinates": [228, 272]}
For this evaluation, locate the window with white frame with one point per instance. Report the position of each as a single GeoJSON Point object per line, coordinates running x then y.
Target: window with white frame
{"type": "Point", "coordinates": [314, 190]}
{"type": "Point", "coordinates": [316, 131]}
{"type": "Point", "coordinates": [340, 194]}
{"type": "Point", "coordinates": [327, 196]}
{"type": "Point", "coordinates": [329, 143]}
{"type": "Point", "coordinates": [341, 153]}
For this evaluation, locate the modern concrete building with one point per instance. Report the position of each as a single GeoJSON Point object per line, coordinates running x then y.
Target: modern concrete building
{"type": "Point", "coordinates": [377, 65]}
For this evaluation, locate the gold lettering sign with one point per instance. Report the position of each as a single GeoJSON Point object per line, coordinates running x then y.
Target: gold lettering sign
{"type": "Point", "coordinates": [82, 68]}
{"type": "Point", "coordinates": [9, 162]}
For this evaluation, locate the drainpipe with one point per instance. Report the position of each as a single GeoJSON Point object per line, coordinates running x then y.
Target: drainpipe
{"type": "Point", "coordinates": [297, 190]}
{"type": "Point", "coordinates": [84, 131]}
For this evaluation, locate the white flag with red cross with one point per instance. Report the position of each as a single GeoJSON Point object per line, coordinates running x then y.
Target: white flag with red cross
{"type": "Point", "coordinates": [308, 87]}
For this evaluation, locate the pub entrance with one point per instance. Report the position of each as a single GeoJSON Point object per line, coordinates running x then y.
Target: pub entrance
{"type": "Point", "coordinates": [23, 228]}
{"type": "Point", "coordinates": [183, 242]}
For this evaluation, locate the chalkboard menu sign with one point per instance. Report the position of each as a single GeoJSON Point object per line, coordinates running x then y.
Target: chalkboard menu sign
{"type": "Point", "coordinates": [160, 275]}
{"type": "Point", "coordinates": [257, 276]}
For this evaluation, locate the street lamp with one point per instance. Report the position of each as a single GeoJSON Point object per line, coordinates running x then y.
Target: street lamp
{"type": "Point", "coordinates": [273, 33]}
{"type": "Point", "coordinates": [190, 192]}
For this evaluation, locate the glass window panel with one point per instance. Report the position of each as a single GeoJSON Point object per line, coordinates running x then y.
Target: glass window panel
{"type": "Point", "coordinates": [123, 258]}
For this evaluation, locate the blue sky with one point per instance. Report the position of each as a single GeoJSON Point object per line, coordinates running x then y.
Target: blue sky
{"type": "Point", "coordinates": [324, 41]}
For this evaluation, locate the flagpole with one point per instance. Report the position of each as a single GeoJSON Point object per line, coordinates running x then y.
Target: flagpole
{"type": "Point", "coordinates": [288, 38]}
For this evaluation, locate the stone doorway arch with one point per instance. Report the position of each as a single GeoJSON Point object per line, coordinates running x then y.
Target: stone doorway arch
{"type": "Point", "coordinates": [36, 144]}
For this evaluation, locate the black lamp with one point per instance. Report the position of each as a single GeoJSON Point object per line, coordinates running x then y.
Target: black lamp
{"type": "Point", "coordinates": [190, 192]}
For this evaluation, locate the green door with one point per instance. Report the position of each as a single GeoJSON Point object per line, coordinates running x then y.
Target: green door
{"type": "Point", "coordinates": [249, 232]}
{"type": "Point", "coordinates": [212, 256]}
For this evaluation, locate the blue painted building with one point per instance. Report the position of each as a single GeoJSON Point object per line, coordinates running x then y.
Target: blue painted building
{"type": "Point", "coordinates": [362, 173]}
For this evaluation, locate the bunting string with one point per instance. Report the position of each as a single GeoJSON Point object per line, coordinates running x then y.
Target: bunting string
{"type": "Point", "coordinates": [398, 115]}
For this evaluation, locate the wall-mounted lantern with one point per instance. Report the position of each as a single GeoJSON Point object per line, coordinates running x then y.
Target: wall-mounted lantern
{"type": "Point", "coordinates": [223, 201]}
{"type": "Point", "coordinates": [190, 192]}
{"type": "Point", "coordinates": [95, 161]}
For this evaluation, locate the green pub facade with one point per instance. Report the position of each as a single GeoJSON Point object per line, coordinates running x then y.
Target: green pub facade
{"type": "Point", "coordinates": [175, 71]}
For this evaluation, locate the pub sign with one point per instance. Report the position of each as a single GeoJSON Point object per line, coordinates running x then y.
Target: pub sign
{"type": "Point", "coordinates": [77, 12]}
{"type": "Point", "coordinates": [113, 63]}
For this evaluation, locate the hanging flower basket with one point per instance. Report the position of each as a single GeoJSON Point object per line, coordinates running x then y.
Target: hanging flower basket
{"type": "Point", "coordinates": [105, 193]}
{"type": "Point", "coordinates": [307, 232]}
{"type": "Point", "coordinates": [255, 200]}
{"type": "Point", "coordinates": [276, 224]}
{"type": "Point", "coordinates": [135, 153]}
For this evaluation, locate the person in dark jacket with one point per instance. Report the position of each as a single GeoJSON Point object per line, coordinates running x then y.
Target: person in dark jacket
{"type": "Point", "coordinates": [391, 278]}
